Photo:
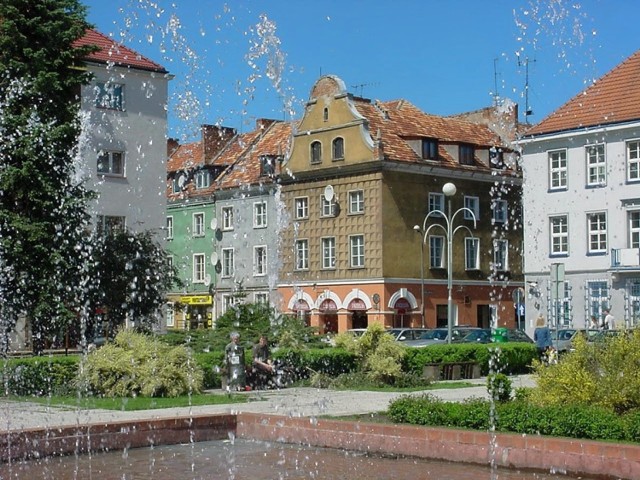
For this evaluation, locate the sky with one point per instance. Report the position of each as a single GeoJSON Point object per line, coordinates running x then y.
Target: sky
{"type": "Point", "coordinates": [236, 61]}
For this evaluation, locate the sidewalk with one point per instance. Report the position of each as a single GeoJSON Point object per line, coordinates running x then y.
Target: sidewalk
{"type": "Point", "coordinates": [294, 402]}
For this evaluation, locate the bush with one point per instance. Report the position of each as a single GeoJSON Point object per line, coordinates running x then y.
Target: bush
{"type": "Point", "coordinates": [136, 364]}
{"type": "Point", "coordinates": [499, 387]}
{"type": "Point", "coordinates": [40, 376]}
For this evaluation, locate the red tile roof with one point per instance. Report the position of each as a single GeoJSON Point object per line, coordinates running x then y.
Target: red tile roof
{"type": "Point", "coordinates": [116, 53]}
{"type": "Point", "coordinates": [615, 98]}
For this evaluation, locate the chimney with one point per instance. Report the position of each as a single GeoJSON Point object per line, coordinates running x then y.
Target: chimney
{"type": "Point", "coordinates": [214, 139]}
{"type": "Point", "coordinates": [172, 146]}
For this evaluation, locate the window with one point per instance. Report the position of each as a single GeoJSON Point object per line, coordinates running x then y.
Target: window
{"type": "Point", "coordinates": [466, 153]}
{"type": "Point", "coordinates": [169, 228]}
{"type": "Point", "coordinates": [499, 208]}
{"type": "Point", "coordinates": [429, 148]}
{"type": "Point", "coordinates": [261, 297]}
{"type": "Point", "coordinates": [111, 163]}
{"type": "Point", "coordinates": [633, 161]}
{"type": "Point", "coordinates": [110, 224]}
{"type": "Point", "coordinates": [596, 165]}
{"type": "Point", "coordinates": [559, 229]}
{"type": "Point", "coordinates": [561, 310]}
{"type": "Point", "coordinates": [472, 253]}
{"type": "Point", "coordinates": [110, 95]}
{"type": "Point", "coordinates": [558, 169]}
{"type": "Point", "coordinates": [268, 165]}
{"type": "Point", "coordinates": [598, 292]}
{"type": "Point", "coordinates": [356, 249]}
{"type": "Point", "coordinates": [338, 149]}
{"type": "Point", "coordinates": [436, 251]}
{"type": "Point", "coordinates": [302, 207]}
{"type": "Point", "coordinates": [329, 252]}
{"type": "Point", "coordinates": [302, 254]}
{"type": "Point", "coordinates": [198, 268]}
{"type": "Point", "coordinates": [198, 224]}
{"type": "Point", "coordinates": [228, 301]}
{"type": "Point", "coordinates": [436, 202]}
{"type": "Point", "coordinates": [259, 261]}
{"type": "Point", "coordinates": [496, 157]}
{"type": "Point", "coordinates": [260, 215]}
{"type": "Point", "coordinates": [356, 202]}
{"type": "Point", "coordinates": [597, 231]}
{"type": "Point", "coordinates": [170, 315]}
{"type": "Point", "coordinates": [203, 179]}
{"type": "Point", "coordinates": [316, 152]}
{"type": "Point", "coordinates": [227, 218]}
{"type": "Point", "coordinates": [328, 206]}
{"type": "Point", "coordinates": [634, 229]}
{"type": "Point", "coordinates": [473, 204]}
{"type": "Point", "coordinates": [325, 114]}
{"type": "Point", "coordinates": [501, 255]}
{"type": "Point", "coordinates": [227, 262]}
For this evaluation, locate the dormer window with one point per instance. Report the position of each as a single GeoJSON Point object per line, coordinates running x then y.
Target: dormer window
{"type": "Point", "coordinates": [429, 148]}
{"type": "Point", "coordinates": [338, 149]}
{"type": "Point", "coordinates": [466, 154]}
{"type": "Point", "coordinates": [268, 165]}
{"type": "Point", "coordinates": [496, 157]}
{"type": "Point", "coordinates": [203, 179]}
{"type": "Point", "coordinates": [316, 152]}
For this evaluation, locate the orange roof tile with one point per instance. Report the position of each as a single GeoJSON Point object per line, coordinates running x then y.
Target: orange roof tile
{"type": "Point", "coordinates": [614, 98]}
{"type": "Point", "coordinates": [116, 53]}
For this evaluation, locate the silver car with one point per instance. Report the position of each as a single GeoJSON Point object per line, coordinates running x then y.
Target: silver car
{"type": "Point", "coordinates": [439, 336]}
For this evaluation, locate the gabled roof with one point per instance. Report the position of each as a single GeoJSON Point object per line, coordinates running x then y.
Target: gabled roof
{"type": "Point", "coordinates": [614, 98]}
{"type": "Point", "coordinates": [116, 53]}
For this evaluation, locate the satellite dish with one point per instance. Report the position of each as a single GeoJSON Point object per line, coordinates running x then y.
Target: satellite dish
{"type": "Point", "coordinates": [328, 193]}
{"type": "Point", "coordinates": [214, 224]}
{"type": "Point", "coordinates": [214, 258]}
{"type": "Point", "coordinates": [182, 179]}
{"type": "Point", "coordinates": [207, 279]}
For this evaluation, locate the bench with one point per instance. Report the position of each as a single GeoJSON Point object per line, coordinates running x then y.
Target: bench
{"type": "Point", "coordinates": [451, 371]}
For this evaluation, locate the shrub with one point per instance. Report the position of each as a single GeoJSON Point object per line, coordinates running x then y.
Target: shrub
{"type": "Point", "coordinates": [136, 364]}
{"type": "Point", "coordinates": [499, 387]}
{"type": "Point", "coordinates": [40, 376]}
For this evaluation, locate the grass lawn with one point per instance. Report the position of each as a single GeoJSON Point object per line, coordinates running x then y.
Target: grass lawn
{"type": "Point", "coordinates": [432, 386]}
{"type": "Point", "coordinates": [135, 403]}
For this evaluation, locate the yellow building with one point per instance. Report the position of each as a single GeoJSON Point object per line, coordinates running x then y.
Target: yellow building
{"type": "Point", "coordinates": [360, 177]}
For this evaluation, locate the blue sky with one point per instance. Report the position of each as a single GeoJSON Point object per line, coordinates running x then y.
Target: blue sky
{"type": "Point", "coordinates": [240, 60]}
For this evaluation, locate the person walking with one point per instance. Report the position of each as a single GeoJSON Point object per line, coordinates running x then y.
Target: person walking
{"type": "Point", "coordinates": [542, 337]}
{"type": "Point", "coordinates": [609, 322]}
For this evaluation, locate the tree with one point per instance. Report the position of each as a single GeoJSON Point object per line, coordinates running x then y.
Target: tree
{"type": "Point", "coordinates": [132, 277]}
{"type": "Point", "coordinates": [43, 214]}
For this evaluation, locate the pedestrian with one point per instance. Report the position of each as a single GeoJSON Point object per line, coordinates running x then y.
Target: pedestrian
{"type": "Point", "coordinates": [609, 322]}
{"type": "Point", "coordinates": [262, 367]}
{"type": "Point", "coordinates": [593, 325]}
{"type": "Point", "coordinates": [234, 366]}
{"type": "Point", "coordinates": [542, 337]}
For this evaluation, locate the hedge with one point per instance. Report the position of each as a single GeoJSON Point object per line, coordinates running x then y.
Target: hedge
{"type": "Point", "coordinates": [39, 376]}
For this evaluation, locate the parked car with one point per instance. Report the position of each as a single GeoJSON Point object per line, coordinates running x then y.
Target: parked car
{"type": "Point", "coordinates": [439, 336]}
{"type": "Point", "coordinates": [486, 335]}
{"type": "Point", "coordinates": [356, 332]}
{"type": "Point", "coordinates": [563, 338]}
{"type": "Point", "coordinates": [407, 334]}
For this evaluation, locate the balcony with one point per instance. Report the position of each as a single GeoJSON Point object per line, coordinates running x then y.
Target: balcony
{"type": "Point", "coordinates": [625, 259]}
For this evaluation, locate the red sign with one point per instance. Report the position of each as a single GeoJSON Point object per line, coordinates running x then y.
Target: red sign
{"type": "Point", "coordinates": [328, 304]}
{"type": "Point", "coordinates": [402, 305]}
{"type": "Point", "coordinates": [357, 304]}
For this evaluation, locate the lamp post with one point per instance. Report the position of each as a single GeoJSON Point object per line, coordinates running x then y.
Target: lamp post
{"type": "Point", "coordinates": [419, 230]}
{"type": "Point", "coordinates": [449, 190]}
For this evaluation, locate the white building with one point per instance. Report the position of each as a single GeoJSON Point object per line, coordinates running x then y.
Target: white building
{"type": "Point", "coordinates": [126, 152]}
{"type": "Point", "coordinates": [581, 204]}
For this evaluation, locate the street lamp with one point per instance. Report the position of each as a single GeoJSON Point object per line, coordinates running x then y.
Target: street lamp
{"type": "Point", "coordinates": [419, 230]}
{"type": "Point", "coordinates": [449, 190]}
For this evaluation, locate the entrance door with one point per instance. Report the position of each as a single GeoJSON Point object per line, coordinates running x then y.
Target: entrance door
{"type": "Point", "coordinates": [359, 319]}
{"type": "Point", "coordinates": [330, 323]}
{"type": "Point", "coordinates": [484, 316]}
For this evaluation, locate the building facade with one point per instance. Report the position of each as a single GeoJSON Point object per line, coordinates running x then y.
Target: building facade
{"type": "Point", "coordinates": [363, 184]}
{"type": "Point", "coordinates": [581, 204]}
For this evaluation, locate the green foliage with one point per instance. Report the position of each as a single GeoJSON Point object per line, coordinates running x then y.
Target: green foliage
{"type": "Point", "coordinates": [574, 421]}
{"type": "Point", "coordinates": [43, 206]}
{"type": "Point", "coordinates": [210, 363]}
{"type": "Point", "coordinates": [499, 387]}
{"type": "Point", "coordinates": [39, 376]}
{"type": "Point", "coordinates": [604, 374]}
{"type": "Point", "coordinates": [136, 364]}
{"type": "Point", "coordinates": [514, 358]}
{"type": "Point", "coordinates": [329, 361]}
{"type": "Point", "coordinates": [133, 277]}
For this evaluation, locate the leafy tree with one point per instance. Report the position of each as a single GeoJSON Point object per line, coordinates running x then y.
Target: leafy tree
{"type": "Point", "coordinates": [43, 214]}
{"type": "Point", "coordinates": [133, 276]}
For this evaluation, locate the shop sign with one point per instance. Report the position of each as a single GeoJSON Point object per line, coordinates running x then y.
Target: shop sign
{"type": "Point", "coordinates": [357, 304]}
{"type": "Point", "coordinates": [197, 299]}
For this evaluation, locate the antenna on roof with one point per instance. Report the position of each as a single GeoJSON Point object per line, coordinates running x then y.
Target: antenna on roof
{"type": "Point", "coordinates": [362, 85]}
{"type": "Point", "coordinates": [527, 109]}
{"type": "Point", "coordinates": [496, 96]}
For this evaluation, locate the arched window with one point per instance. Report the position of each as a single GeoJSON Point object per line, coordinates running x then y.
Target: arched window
{"type": "Point", "coordinates": [338, 149]}
{"type": "Point", "coordinates": [316, 152]}
{"type": "Point", "coordinates": [325, 114]}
